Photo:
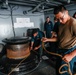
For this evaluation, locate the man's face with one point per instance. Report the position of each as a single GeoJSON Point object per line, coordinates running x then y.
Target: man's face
{"type": "Point", "coordinates": [48, 19]}
{"type": "Point", "coordinates": [62, 17]}
{"type": "Point", "coordinates": [35, 34]}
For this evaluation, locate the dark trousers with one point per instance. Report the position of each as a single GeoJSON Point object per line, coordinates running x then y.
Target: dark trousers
{"type": "Point", "coordinates": [53, 47]}
{"type": "Point", "coordinates": [48, 34]}
{"type": "Point", "coordinates": [39, 51]}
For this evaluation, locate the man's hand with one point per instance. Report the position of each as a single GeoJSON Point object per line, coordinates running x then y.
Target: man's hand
{"type": "Point", "coordinates": [54, 34]}
{"type": "Point", "coordinates": [35, 48]}
{"type": "Point", "coordinates": [68, 57]}
{"type": "Point", "coordinates": [31, 48]}
{"type": "Point", "coordinates": [44, 39]}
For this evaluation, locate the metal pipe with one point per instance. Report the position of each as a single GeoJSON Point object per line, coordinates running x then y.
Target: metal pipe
{"type": "Point", "coordinates": [12, 20]}
{"type": "Point", "coordinates": [46, 9]}
{"type": "Point", "coordinates": [21, 3]}
{"type": "Point", "coordinates": [37, 7]}
{"type": "Point", "coordinates": [53, 3]}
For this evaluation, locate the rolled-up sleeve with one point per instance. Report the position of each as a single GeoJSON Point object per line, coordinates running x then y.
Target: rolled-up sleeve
{"type": "Point", "coordinates": [32, 39]}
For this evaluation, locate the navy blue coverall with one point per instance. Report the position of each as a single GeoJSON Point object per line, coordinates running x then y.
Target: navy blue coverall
{"type": "Point", "coordinates": [37, 41]}
{"type": "Point", "coordinates": [48, 27]}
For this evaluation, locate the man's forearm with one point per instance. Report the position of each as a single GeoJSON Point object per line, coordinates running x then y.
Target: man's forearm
{"type": "Point", "coordinates": [39, 46]}
{"type": "Point", "coordinates": [52, 40]}
{"type": "Point", "coordinates": [73, 53]}
{"type": "Point", "coordinates": [32, 44]}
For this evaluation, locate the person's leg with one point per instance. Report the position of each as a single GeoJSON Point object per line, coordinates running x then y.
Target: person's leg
{"type": "Point", "coordinates": [65, 68]}
{"type": "Point", "coordinates": [40, 51]}
{"type": "Point", "coordinates": [48, 34]}
{"type": "Point", "coordinates": [52, 47]}
{"type": "Point", "coordinates": [71, 63]}
{"type": "Point", "coordinates": [58, 64]}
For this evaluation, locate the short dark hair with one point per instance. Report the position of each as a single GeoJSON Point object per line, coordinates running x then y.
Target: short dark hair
{"type": "Point", "coordinates": [47, 17]}
{"type": "Point", "coordinates": [58, 9]}
{"type": "Point", "coordinates": [35, 31]}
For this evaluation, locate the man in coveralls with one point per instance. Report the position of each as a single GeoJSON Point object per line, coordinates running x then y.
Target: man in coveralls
{"type": "Point", "coordinates": [48, 27]}
{"type": "Point", "coordinates": [36, 42]}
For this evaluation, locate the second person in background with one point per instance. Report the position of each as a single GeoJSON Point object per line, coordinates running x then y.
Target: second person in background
{"type": "Point", "coordinates": [48, 27]}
